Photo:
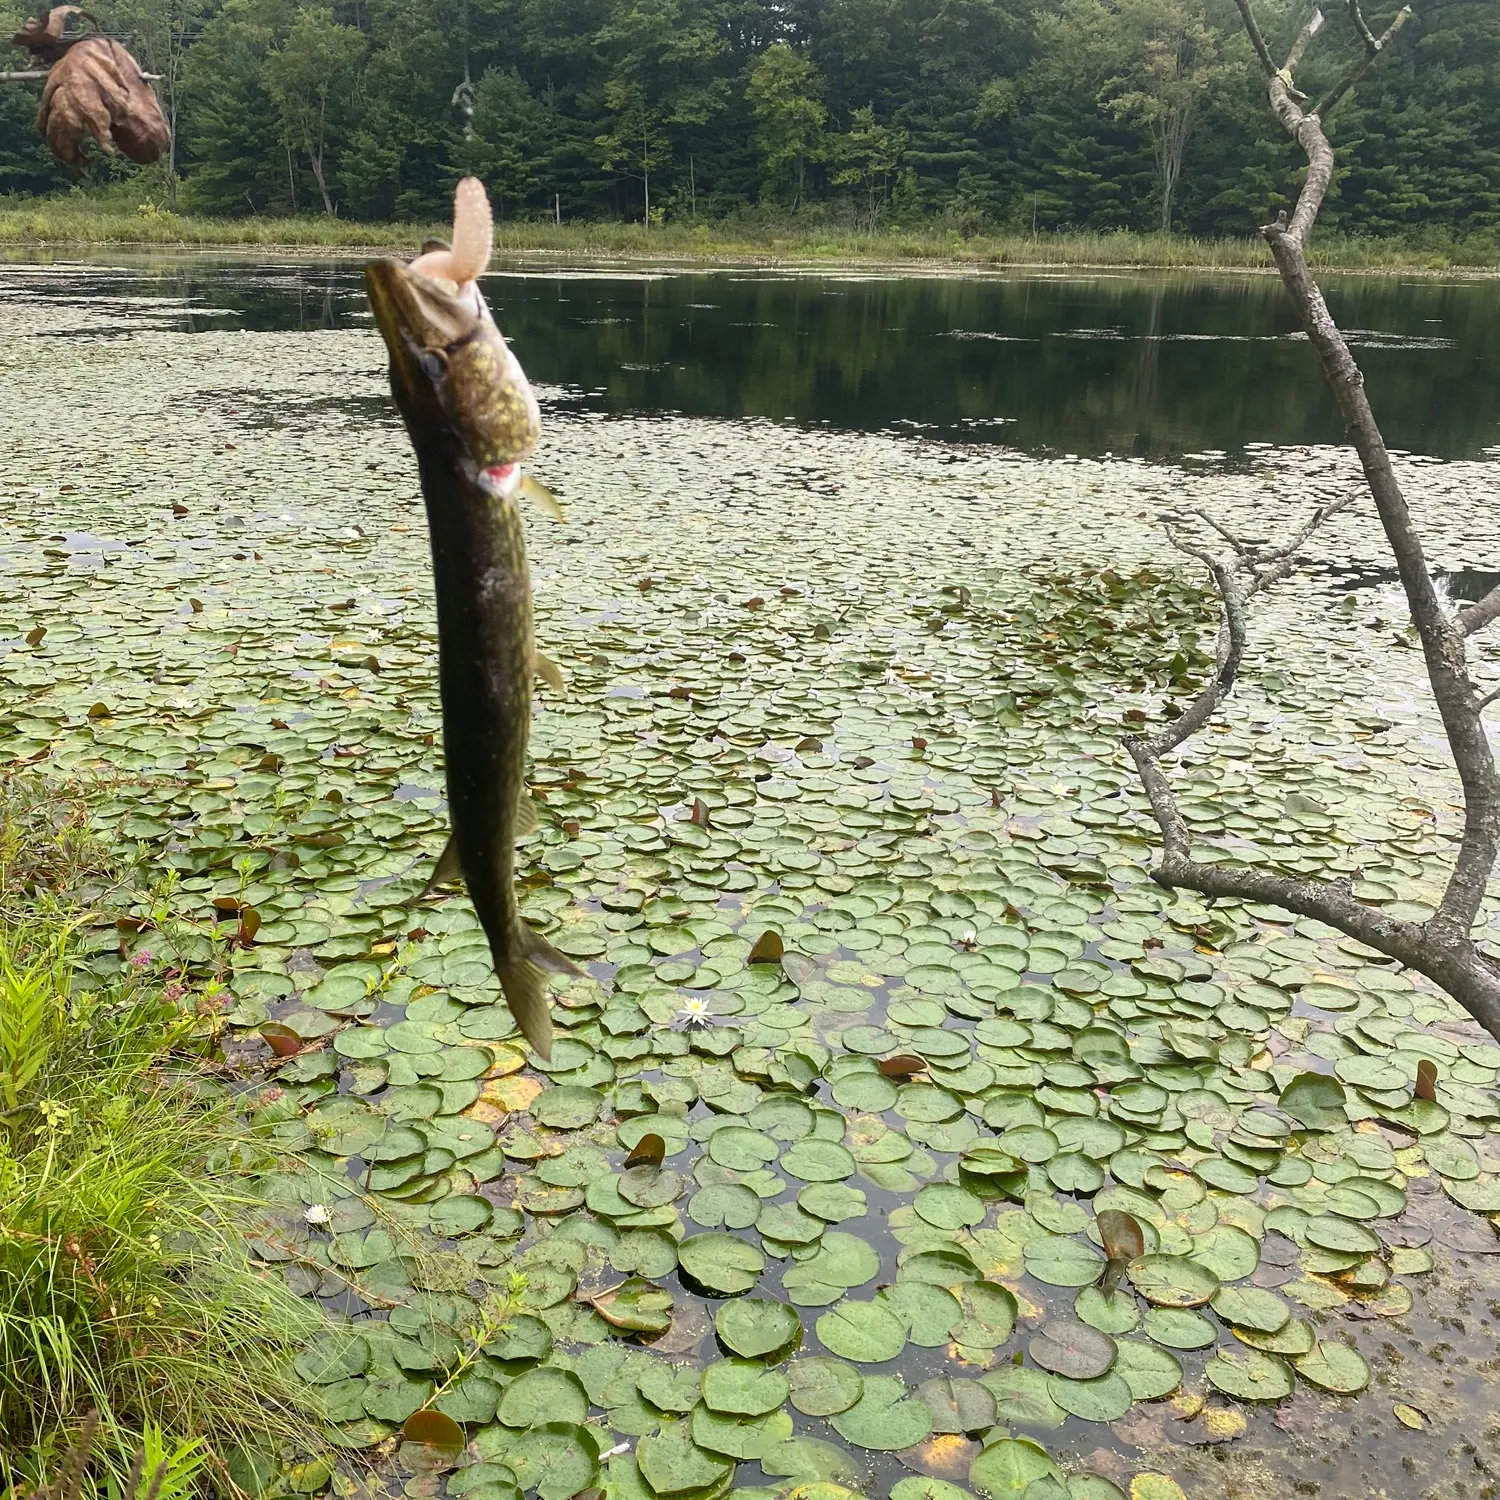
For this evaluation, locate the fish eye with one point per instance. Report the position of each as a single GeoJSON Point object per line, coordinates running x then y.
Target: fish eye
{"type": "Point", "coordinates": [434, 363]}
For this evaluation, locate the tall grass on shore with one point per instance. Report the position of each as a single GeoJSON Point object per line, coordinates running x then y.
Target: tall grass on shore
{"type": "Point", "coordinates": [124, 1284]}
{"type": "Point", "coordinates": [114, 218]}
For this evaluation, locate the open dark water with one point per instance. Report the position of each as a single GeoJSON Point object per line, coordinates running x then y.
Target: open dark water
{"type": "Point", "coordinates": [1129, 363]}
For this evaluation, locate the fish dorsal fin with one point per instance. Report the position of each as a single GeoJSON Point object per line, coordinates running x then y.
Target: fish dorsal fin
{"type": "Point", "coordinates": [550, 673]}
{"type": "Point", "coordinates": [447, 868]}
{"type": "Point", "coordinates": [543, 498]}
{"type": "Point", "coordinates": [527, 820]}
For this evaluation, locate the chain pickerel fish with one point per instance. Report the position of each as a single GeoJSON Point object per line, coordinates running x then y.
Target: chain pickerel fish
{"type": "Point", "coordinates": [472, 420]}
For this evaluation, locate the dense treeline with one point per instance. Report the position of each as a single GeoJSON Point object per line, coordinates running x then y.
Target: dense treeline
{"type": "Point", "coordinates": [1030, 113]}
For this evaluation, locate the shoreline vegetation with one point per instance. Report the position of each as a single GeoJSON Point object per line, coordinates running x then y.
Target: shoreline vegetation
{"type": "Point", "coordinates": [126, 1286]}
{"type": "Point", "coordinates": [82, 222]}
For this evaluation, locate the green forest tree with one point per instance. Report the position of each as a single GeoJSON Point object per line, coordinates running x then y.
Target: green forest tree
{"type": "Point", "coordinates": [1093, 114]}
{"type": "Point", "coordinates": [784, 93]}
{"type": "Point", "coordinates": [311, 72]}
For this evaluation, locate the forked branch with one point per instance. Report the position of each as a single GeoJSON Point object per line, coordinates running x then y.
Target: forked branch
{"type": "Point", "coordinates": [1441, 947]}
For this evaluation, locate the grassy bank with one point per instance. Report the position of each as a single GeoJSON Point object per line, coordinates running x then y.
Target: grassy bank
{"type": "Point", "coordinates": [125, 1290]}
{"type": "Point", "coordinates": [88, 221]}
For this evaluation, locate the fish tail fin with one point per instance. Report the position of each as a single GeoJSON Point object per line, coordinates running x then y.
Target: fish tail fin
{"type": "Point", "coordinates": [521, 978]}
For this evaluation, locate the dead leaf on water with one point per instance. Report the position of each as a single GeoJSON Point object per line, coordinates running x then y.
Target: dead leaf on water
{"type": "Point", "coordinates": [432, 1429]}
{"type": "Point", "coordinates": [1426, 1085]}
{"type": "Point", "coordinates": [282, 1040]}
{"type": "Point", "coordinates": [767, 949]}
{"type": "Point", "coordinates": [903, 1065]}
{"type": "Point", "coordinates": [650, 1151]}
{"type": "Point", "coordinates": [947, 1456]}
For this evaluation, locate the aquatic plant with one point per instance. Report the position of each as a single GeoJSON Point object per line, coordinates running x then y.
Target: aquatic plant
{"type": "Point", "coordinates": [980, 1035]}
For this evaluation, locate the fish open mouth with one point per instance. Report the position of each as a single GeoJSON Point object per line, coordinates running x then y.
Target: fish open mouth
{"type": "Point", "coordinates": [501, 479]}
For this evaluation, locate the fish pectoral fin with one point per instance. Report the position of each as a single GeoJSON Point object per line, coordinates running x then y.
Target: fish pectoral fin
{"type": "Point", "coordinates": [550, 673]}
{"type": "Point", "coordinates": [543, 498]}
{"type": "Point", "coordinates": [527, 818]}
{"type": "Point", "coordinates": [447, 868]}
{"type": "Point", "coordinates": [525, 994]}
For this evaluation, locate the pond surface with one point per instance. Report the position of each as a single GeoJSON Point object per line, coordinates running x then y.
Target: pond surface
{"type": "Point", "coordinates": [857, 686]}
{"type": "Point", "coordinates": [1130, 363]}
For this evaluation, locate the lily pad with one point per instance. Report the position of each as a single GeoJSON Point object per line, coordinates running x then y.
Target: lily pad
{"type": "Point", "coordinates": [865, 1332]}
{"type": "Point", "coordinates": [1331, 1366]}
{"type": "Point", "coordinates": [723, 1263]}
{"type": "Point", "coordinates": [755, 1327]}
{"type": "Point", "coordinates": [673, 1464]}
{"type": "Point", "coordinates": [1007, 1466]}
{"type": "Point", "coordinates": [823, 1387]}
{"type": "Point", "coordinates": [1073, 1349]}
{"type": "Point", "coordinates": [1249, 1375]}
{"type": "Point", "coordinates": [885, 1419]}
{"type": "Point", "coordinates": [1172, 1280]}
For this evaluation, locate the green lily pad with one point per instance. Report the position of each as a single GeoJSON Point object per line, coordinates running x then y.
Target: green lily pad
{"type": "Point", "coordinates": [755, 1327]}
{"type": "Point", "coordinates": [865, 1332]}
{"type": "Point", "coordinates": [1102, 1399]}
{"type": "Point", "coordinates": [743, 1388]}
{"type": "Point", "coordinates": [1179, 1328]}
{"type": "Point", "coordinates": [989, 1315]}
{"type": "Point", "coordinates": [957, 1405]}
{"type": "Point", "coordinates": [884, 1419]}
{"type": "Point", "coordinates": [1149, 1372]}
{"type": "Point", "coordinates": [567, 1106]}
{"type": "Point", "coordinates": [742, 1438]}
{"type": "Point", "coordinates": [556, 1459]}
{"type": "Point", "coordinates": [1329, 1232]}
{"type": "Point", "coordinates": [1250, 1376]}
{"type": "Point", "coordinates": [1172, 1280]}
{"type": "Point", "coordinates": [544, 1394]}
{"type": "Point", "coordinates": [1332, 1366]}
{"type": "Point", "coordinates": [1072, 1349]}
{"type": "Point", "coordinates": [673, 1464]}
{"type": "Point", "coordinates": [1022, 1397]}
{"type": "Point", "coordinates": [1007, 1466]}
{"type": "Point", "coordinates": [1251, 1307]}
{"type": "Point", "coordinates": [1060, 1261]}
{"type": "Point", "coordinates": [723, 1263]}
{"type": "Point", "coordinates": [948, 1207]}
{"type": "Point", "coordinates": [1113, 1314]}
{"type": "Point", "coordinates": [823, 1387]}
{"type": "Point", "coordinates": [817, 1161]}
{"type": "Point", "coordinates": [1315, 1100]}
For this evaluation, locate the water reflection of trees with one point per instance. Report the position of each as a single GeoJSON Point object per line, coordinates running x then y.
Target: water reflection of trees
{"type": "Point", "coordinates": [1078, 364]}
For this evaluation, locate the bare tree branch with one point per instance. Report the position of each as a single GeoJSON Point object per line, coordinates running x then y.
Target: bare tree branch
{"type": "Point", "coordinates": [1478, 615]}
{"type": "Point", "coordinates": [1361, 27]}
{"type": "Point", "coordinates": [1441, 947]}
{"type": "Point", "coordinates": [1374, 46]}
{"type": "Point", "coordinates": [1257, 40]}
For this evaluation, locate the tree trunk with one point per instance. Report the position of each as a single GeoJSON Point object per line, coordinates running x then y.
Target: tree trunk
{"type": "Point", "coordinates": [315, 160]}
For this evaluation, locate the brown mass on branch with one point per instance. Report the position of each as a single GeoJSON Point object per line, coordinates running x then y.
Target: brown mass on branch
{"type": "Point", "coordinates": [96, 89]}
{"type": "Point", "coordinates": [49, 33]}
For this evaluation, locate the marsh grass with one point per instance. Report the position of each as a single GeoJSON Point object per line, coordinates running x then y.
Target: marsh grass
{"type": "Point", "coordinates": [124, 1284]}
{"type": "Point", "coordinates": [123, 215]}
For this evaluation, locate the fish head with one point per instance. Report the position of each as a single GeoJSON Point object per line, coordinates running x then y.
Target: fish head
{"type": "Point", "coordinates": [453, 375]}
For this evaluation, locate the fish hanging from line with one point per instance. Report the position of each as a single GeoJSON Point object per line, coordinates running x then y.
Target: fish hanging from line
{"type": "Point", "coordinates": [473, 420]}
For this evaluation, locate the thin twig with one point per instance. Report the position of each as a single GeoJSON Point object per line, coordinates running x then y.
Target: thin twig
{"type": "Point", "coordinates": [1374, 46]}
